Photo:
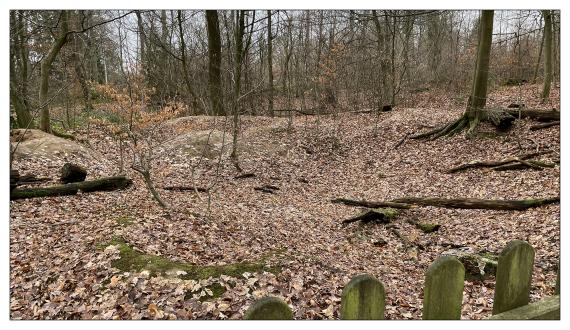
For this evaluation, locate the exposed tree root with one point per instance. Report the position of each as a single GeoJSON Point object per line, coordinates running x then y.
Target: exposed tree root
{"type": "Point", "coordinates": [184, 188]}
{"type": "Point", "coordinates": [448, 129]}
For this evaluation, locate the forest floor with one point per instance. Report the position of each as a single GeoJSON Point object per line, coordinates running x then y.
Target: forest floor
{"type": "Point", "coordinates": [69, 256]}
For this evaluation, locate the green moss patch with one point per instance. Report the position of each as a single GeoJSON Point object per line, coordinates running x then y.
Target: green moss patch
{"type": "Point", "coordinates": [124, 220]}
{"type": "Point", "coordinates": [428, 227]}
{"type": "Point", "coordinates": [132, 260]}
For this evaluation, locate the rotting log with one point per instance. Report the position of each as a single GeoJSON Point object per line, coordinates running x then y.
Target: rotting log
{"type": "Point", "coordinates": [545, 125]}
{"type": "Point", "coordinates": [476, 203]}
{"type": "Point", "coordinates": [538, 115]}
{"type": "Point", "coordinates": [372, 205]}
{"type": "Point", "coordinates": [377, 215]}
{"type": "Point", "coordinates": [14, 179]}
{"type": "Point", "coordinates": [103, 184]}
{"type": "Point", "coordinates": [455, 203]}
{"type": "Point", "coordinates": [522, 165]}
{"type": "Point", "coordinates": [185, 188]}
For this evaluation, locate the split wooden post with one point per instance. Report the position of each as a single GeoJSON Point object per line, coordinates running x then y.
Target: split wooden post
{"type": "Point", "coordinates": [269, 308]}
{"type": "Point", "coordinates": [514, 273]}
{"type": "Point", "coordinates": [443, 293]}
{"type": "Point", "coordinates": [363, 298]}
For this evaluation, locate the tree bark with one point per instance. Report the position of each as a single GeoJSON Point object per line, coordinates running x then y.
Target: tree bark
{"type": "Point", "coordinates": [45, 68]}
{"type": "Point", "coordinates": [270, 63]}
{"type": "Point", "coordinates": [457, 203]}
{"type": "Point", "coordinates": [193, 95]}
{"type": "Point", "coordinates": [214, 62]}
{"type": "Point", "coordinates": [478, 97]}
{"type": "Point", "coordinates": [547, 55]}
{"type": "Point", "coordinates": [104, 184]}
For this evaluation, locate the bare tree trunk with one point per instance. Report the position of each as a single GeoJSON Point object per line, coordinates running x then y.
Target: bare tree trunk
{"type": "Point", "coordinates": [539, 58]}
{"type": "Point", "coordinates": [45, 69]}
{"type": "Point", "coordinates": [193, 95]}
{"type": "Point", "coordinates": [478, 97]}
{"type": "Point", "coordinates": [19, 59]}
{"type": "Point", "coordinates": [239, 32]}
{"type": "Point", "coordinates": [547, 55]}
{"type": "Point", "coordinates": [270, 63]}
{"type": "Point", "coordinates": [214, 62]}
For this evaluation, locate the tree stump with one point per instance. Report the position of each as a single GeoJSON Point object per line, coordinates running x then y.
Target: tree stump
{"type": "Point", "coordinates": [72, 173]}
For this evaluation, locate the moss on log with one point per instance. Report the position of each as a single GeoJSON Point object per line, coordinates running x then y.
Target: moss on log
{"type": "Point", "coordinates": [269, 308]}
{"type": "Point", "coordinates": [104, 184]}
{"type": "Point", "coordinates": [378, 215]}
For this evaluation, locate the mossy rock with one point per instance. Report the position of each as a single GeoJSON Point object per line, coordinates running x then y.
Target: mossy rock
{"type": "Point", "coordinates": [428, 227]}
{"type": "Point", "coordinates": [132, 260]}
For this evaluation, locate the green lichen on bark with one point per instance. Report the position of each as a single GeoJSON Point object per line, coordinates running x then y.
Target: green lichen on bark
{"type": "Point", "coordinates": [269, 308]}
{"type": "Point", "coordinates": [363, 298]}
{"type": "Point", "coordinates": [443, 291]}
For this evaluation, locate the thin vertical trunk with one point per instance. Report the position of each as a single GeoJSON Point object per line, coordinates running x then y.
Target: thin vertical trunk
{"type": "Point", "coordinates": [19, 60]}
{"type": "Point", "coordinates": [194, 98]}
{"type": "Point", "coordinates": [270, 63]}
{"type": "Point", "coordinates": [547, 55]}
{"type": "Point", "coordinates": [239, 32]}
{"type": "Point", "coordinates": [45, 68]}
{"type": "Point", "coordinates": [214, 62]}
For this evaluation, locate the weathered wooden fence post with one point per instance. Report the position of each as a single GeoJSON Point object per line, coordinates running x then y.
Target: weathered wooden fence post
{"type": "Point", "coordinates": [443, 292]}
{"type": "Point", "coordinates": [363, 298]}
{"type": "Point", "coordinates": [269, 308]}
{"type": "Point", "coordinates": [514, 273]}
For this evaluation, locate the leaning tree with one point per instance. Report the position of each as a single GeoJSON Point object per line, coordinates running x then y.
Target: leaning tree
{"type": "Point", "coordinates": [474, 113]}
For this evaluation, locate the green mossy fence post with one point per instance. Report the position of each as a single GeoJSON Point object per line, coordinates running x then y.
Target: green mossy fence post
{"type": "Point", "coordinates": [514, 274]}
{"type": "Point", "coordinates": [443, 292]}
{"type": "Point", "coordinates": [269, 308]}
{"type": "Point", "coordinates": [363, 298]}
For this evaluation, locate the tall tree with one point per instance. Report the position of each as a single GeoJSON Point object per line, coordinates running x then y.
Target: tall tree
{"type": "Point", "coordinates": [474, 112]}
{"type": "Point", "coordinates": [186, 77]}
{"type": "Point", "coordinates": [547, 55]}
{"type": "Point", "coordinates": [19, 70]}
{"type": "Point", "coordinates": [45, 68]}
{"type": "Point", "coordinates": [270, 63]}
{"type": "Point", "coordinates": [214, 62]}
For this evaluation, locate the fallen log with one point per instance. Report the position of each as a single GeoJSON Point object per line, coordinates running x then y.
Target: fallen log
{"type": "Point", "coordinates": [489, 163]}
{"type": "Point", "coordinates": [456, 203]}
{"type": "Point", "coordinates": [372, 205]}
{"type": "Point", "coordinates": [522, 165]}
{"type": "Point", "coordinates": [267, 189]}
{"type": "Point", "coordinates": [378, 215]}
{"type": "Point", "coordinates": [545, 125]}
{"type": "Point", "coordinates": [14, 178]}
{"type": "Point", "coordinates": [538, 115]}
{"type": "Point", "coordinates": [185, 188]}
{"type": "Point", "coordinates": [476, 203]}
{"type": "Point", "coordinates": [244, 176]}
{"type": "Point", "coordinates": [103, 184]}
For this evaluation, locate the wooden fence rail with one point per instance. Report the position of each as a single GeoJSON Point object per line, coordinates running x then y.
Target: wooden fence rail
{"type": "Point", "coordinates": [363, 298]}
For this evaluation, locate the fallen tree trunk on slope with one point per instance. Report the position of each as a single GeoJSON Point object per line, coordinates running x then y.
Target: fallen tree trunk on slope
{"type": "Point", "coordinates": [372, 205]}
{"type": "Point", "coordinates": [545, 125]}
{"type": "Point", "coordinates": [538, 115]}
{"type": "Point", "coordinates": [490, 163]}
{"type": "Point", "coordinates": [103, 184]}
{"type": "Point", "coordinates": [456, 203]}
{"type": "Point", "coordinates": [185, 188]}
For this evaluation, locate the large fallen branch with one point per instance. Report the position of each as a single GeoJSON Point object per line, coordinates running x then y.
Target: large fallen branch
{"type": "Point", "coordinates": [103, 184]}
{"type": "Point", "coordinates": [476, 203]}
{"type": "Point", "coordinates": [456, 203]}
{"type": "Point", "coordinates": [476, 164]}
{"type": "Point", "coordinates": [545, 125]}
{"type": "Point", "coordinates": [538, 115]}
{"type": "Point", "coordinates": [373, 205]}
